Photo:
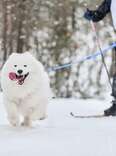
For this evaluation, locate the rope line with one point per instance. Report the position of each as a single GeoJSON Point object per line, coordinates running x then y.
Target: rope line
{"type": "Point", "coordinates": [89, 57]}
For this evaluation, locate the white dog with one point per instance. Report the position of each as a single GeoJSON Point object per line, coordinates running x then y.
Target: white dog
{"type": "Point", "coordinates": [26, 89]}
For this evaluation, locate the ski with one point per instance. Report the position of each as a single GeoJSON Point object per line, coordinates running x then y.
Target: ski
{"type": "Point", "coordinates": [87, 116]}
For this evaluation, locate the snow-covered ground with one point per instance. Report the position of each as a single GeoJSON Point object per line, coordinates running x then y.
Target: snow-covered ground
{"type": "Point", "coordinates": [60, 134]}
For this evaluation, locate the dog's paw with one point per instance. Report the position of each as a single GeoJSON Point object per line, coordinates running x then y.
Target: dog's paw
{"type": "Point", "coordinates": [14, 121]}
{"type": "Point", "coordinates": [27, 122]}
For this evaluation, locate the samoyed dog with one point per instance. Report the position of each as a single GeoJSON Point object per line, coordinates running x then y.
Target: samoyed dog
{"type": "Point", "coordinates": [26, 89]}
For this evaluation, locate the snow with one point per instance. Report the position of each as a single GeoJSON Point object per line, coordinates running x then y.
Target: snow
{"type": "Point", "coordinates": [60, 134]}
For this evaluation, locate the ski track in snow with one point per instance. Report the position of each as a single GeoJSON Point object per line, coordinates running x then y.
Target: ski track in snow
{"type": "Point", "coordinates": [61, 134]}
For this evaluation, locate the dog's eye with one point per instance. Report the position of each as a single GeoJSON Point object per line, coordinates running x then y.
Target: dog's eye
{"type": "Point", "coordinates": [15, 65]}
{"type": "Point", "coordinates": [25, 65]}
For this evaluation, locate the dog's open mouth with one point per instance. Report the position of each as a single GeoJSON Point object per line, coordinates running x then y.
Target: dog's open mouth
{"type": "Point", "coordinates": [19, 78]}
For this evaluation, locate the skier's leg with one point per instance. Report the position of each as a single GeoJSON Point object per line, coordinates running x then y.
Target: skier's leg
{"type": "Point", "coordinates": [112, 110]}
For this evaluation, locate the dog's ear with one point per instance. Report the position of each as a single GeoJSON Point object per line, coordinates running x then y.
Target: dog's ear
{"type": "Point", "coordinates": [12, 55]}
{"type": "Point", "coordinates": [26, 53]}
{"type": "Point", "coordinates": [29, 53]}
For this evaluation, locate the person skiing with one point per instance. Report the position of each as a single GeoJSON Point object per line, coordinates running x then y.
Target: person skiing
{"type": "Point", "coordinates": [107, 6]}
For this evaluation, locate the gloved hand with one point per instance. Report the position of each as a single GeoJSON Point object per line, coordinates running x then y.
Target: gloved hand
{"type": "Point", "coordinates": [88, 14]}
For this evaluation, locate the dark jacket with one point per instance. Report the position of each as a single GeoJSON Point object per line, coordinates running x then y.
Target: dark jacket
{"type": "Point", "coordinates": [100, 13]}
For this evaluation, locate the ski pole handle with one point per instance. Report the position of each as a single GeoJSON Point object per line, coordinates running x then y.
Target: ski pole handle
{"type": "Point", "coordinates": [94, 30]}
{"type": "Point", "coordinates": [93, 26]}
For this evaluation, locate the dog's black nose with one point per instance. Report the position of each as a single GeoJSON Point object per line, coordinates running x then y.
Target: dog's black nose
{"type": "Point", "coordinates": [19, 71]}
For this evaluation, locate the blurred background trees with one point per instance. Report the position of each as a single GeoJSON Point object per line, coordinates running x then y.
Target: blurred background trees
{"type": "Point", "coordinates": [56, 33]}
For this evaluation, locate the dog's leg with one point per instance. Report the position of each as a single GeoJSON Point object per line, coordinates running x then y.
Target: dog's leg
{"type": "Point", "coordinates": [12, 113]}
{"type": "Point", "coordinates": [27, 118]}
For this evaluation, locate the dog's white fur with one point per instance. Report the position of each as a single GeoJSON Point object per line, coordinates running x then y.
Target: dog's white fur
{"type": "Point", "coordinates": [30, 99]}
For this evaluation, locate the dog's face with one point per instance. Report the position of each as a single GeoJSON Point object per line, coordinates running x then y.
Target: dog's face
{"type": "Point", "coordinates": [19, 73]}
{"type": "Point", "coordinates": [20, 67]}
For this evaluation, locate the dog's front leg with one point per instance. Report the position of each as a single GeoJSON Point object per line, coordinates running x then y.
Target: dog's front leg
{"type": "Point", "coordinates": [12, 112]}
{"type": "Point", "coordinates": [27, 118]}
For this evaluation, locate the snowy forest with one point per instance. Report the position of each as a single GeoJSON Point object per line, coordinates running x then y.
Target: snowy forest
{"type": "Point", "coordinates": [56, 32]}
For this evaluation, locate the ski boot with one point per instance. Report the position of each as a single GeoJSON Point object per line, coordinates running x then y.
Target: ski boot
{"type": "Point", "coordinates": [112, 110]}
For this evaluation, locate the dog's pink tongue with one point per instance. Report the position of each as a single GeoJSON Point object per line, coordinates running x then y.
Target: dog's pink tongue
{"type": "Point", "coordinates": [12, 76]}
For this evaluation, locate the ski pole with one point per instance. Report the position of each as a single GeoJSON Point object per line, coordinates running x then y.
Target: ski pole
{"type": "Point", "coordinates": [100, 49]}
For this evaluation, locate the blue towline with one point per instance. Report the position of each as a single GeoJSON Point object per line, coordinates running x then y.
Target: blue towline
{"type": "Point", "coordinates": [89, 57]}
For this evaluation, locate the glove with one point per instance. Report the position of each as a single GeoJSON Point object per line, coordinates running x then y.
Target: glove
{"type": "Point", "coordinates": [88, 14]}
